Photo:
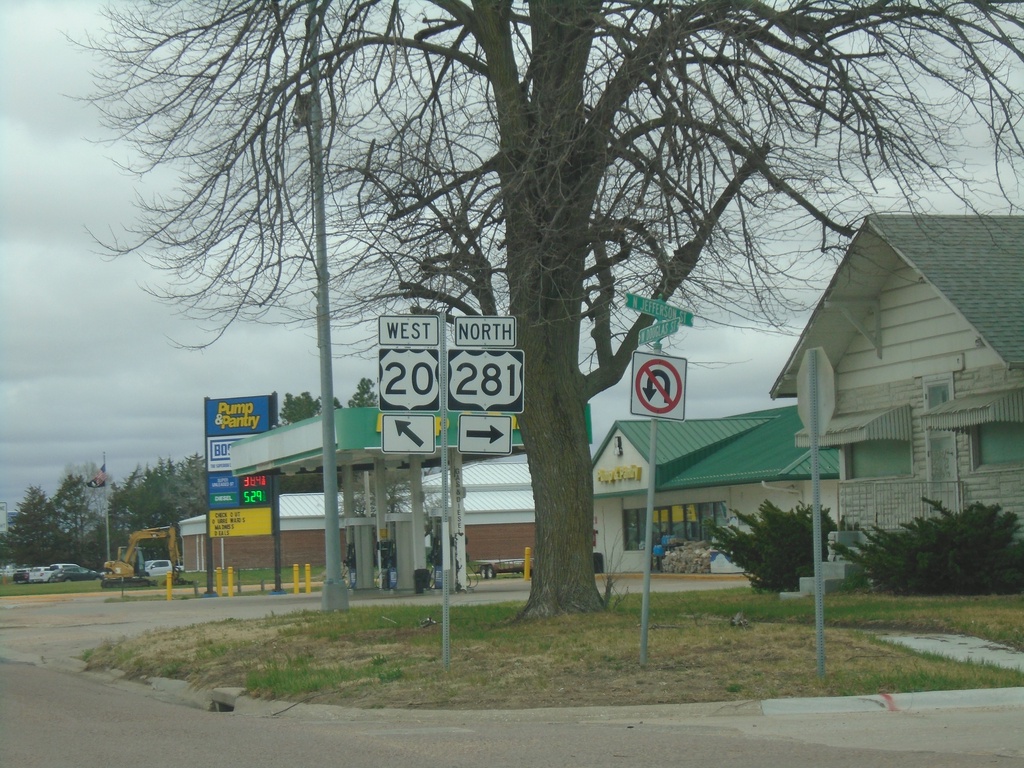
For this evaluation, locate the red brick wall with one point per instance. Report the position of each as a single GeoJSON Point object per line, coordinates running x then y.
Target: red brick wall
{"type": "Point", "coordinates": [499, 541]}
{"type": "Point", "coordinates": [258, 551]}
{"type": "Point", "coordinates": [483, 542]}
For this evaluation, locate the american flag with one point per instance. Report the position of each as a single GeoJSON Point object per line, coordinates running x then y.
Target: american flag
{"type": "Point", "coordinates": [101, 478]}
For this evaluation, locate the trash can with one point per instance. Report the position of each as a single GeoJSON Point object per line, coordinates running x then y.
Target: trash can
{"type": "Point", "coordinates": [599, 562]}
{"type": "Point", "coordinates": [421, 580]}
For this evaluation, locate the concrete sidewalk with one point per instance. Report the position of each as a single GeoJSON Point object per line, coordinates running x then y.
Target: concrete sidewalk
{"type": "Point", "coordinates": [960, 647]}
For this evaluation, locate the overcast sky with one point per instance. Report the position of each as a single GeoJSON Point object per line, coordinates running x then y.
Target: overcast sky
{"type": "Point", "coordinates": [90, 363]}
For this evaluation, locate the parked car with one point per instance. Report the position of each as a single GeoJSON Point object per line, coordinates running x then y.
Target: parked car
{"type": "Point", "coordinates": [159, 568]}
{"type": "Point", "coordinates": [21, 575]}
{"type": "Point", "coordinates": [75, 573]}
{"type": "Point", "coordinates": [42, 574]}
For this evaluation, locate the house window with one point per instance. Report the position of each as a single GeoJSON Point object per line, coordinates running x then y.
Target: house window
{"type": "Point", "coordinates": [688, 522]}
{"type": "Point", "coordinates": [878, 458]}
{"type": "Point", "coordinates": [999, 442]}
{"type": "Point", "coordinates": [937, 390]}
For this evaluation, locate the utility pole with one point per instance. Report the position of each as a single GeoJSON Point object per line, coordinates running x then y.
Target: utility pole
{"type": "Point", "coordinates": [335, 591]}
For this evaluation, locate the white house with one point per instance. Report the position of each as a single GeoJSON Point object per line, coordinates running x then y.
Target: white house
{"type": "Point", "coordinates": [923, 324]}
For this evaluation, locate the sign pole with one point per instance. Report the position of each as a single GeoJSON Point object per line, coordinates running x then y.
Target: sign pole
{"type": "Point", "coordinates": [645, 612]}
{"type": "Point", "coordinates": [819, 585]}
{"type": "Point", "coordinates": [816, 403]}
{"type": "Point", "coordinates": [208, 544]}
{"type": "Point", "coordinates": [446, 547]}
{"type": "Point", "coordinates": [656, 378]}
{"type": "Point", "coordinates": [652, 466]}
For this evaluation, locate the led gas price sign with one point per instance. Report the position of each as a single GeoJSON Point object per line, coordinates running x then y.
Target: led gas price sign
{"type": "Point", "coordinates": [254, 491]}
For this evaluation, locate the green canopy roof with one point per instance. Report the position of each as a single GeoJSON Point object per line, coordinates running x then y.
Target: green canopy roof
{"type": "Point", "coordinates": [749, 448]}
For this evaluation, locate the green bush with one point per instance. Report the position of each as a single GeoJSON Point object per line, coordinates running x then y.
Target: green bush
{"type": "Point", "coordinates": [777, 550]}
{"type": "Point", "coordinates": [973, 552]}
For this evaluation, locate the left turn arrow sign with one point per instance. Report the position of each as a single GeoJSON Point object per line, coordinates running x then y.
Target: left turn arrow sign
{"type": "Point", "coordinates": [407, 433]}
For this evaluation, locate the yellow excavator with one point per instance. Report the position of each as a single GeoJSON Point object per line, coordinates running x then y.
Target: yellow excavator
{"type": "Point", "coordinates": [129, 569]}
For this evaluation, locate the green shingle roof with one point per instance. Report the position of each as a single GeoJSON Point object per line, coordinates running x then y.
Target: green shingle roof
{"type": "Point", "coordinates": [767, 453]}
{"type": "Point", "coordinates": [977, 262]}
{"type": "Point", "coordinates": [748, 448]}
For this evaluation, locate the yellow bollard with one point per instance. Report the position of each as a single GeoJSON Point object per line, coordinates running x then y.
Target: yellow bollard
{"type": "Point", "coordinates": [231, 581]}
{"type": "Point", "coordinates": [526, 565]}
{"type": "Point", "coordinates": [170, 581]}
{"type": "Point", "coordinates": [309, 586]}
{"type": "Point", "coordinates": [295, 578]}
{"type": "Point", "coordinates": [220, 582]}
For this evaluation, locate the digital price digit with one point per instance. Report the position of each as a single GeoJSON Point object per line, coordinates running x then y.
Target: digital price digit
{"type": "Point", "coordinates": [255, 490]}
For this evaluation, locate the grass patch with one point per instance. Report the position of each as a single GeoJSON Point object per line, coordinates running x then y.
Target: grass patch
{"type": "Point", "coordinates": [10, 589]}
{"type": "Point", "coordinates": [250, 580]}
{"type": "Point", "coordinates": [373, 656]}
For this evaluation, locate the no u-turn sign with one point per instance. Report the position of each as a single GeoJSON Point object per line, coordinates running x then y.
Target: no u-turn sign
{"type": "Point", "coordinates": [658, 386]}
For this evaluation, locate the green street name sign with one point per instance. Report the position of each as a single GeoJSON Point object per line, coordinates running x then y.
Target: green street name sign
{"type": "Point", "coordinates": [658, 331]}
{"type": "Point", "coordinates": [659, 309]}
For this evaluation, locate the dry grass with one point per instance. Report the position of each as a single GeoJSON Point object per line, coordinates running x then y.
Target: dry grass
{"type": "Point", "coordinates": [374, 657]}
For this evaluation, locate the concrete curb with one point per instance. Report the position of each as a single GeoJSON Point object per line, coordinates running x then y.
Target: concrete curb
{"type": "Point", "coordinates": [897, 702]}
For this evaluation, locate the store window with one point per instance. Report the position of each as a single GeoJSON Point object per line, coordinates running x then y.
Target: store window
{"type": "Point", "coordinates": [682, 522]}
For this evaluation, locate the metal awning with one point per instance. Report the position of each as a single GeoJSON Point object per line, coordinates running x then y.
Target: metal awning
{"type": "Point", "coordinates": [886, 424]}
{"type": "Point", "coordinates": [961, 412]}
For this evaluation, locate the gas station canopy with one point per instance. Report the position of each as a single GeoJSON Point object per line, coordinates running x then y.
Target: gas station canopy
{"type": "Point", "coordinates": [298, 448]}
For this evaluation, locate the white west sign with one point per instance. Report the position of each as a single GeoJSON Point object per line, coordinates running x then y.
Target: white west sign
{"type": "Point", "coordinates": [408, 330]}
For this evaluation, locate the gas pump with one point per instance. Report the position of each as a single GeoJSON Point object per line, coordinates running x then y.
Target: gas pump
{"type": "Point", "coordinates": [359, 553]}
{"type": "Point", "coordinates": [350, 563]}
{"type": "Point", "coordinates": [388, 563]}
{"type": "Point", "coordinates": [435, 558]}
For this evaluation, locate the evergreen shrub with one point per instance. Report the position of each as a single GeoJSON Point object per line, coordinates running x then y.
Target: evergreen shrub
{"type": "Point", "coordinates": [973, 552]}
{"type": "Point", "coordinates": [777, 550]}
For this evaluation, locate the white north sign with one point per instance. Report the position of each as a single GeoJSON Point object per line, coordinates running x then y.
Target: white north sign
{"type": "Point", "coordinates": [485, 332]}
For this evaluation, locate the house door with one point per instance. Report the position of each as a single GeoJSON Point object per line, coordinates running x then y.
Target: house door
{"type": "Point", "coordinates": [942, 470]}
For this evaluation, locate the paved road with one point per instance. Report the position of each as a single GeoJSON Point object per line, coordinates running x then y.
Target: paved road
{"type": "Point", "coordinates": [49, 717]}
{"type": "Point", "coordinates": [54, 719]}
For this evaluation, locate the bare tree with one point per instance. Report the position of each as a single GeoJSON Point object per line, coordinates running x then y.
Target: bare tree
{"type": "Point", "coordinates": [541, 158]}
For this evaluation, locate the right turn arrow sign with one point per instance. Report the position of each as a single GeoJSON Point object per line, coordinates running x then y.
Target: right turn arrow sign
{"type": "Point", "coordinates": [485, 434]}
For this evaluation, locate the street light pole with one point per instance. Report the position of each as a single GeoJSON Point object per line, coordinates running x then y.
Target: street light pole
{"type": "Point", "coordinates": [335, 591]}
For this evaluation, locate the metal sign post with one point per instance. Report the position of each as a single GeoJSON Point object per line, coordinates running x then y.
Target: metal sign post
{"type": "Point", "coordinates": [446, 550]}
{"type": "Point", "coordinates": [645, 609]}
{"type": "Point", "coordinates": [816, 401]}
{"type": "Point", "coordinates": [416, 372]}
{"type": "Point", "coordinates": [658, 389]}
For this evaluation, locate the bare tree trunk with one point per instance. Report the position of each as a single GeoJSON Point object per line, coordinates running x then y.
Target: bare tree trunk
{"type": "Point", "coordinates": [554, 431]}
